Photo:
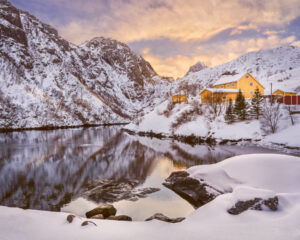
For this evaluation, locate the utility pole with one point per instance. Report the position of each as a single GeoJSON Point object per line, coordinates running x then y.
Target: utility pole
{"type": "Point", "coordinates": [271, 95]}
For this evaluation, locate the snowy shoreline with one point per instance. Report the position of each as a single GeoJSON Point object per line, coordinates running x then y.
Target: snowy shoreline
{"type": "Point", "coordinates": [198, 140]}
{"type": "Point", "coordinates": [182, 122]}
{"type": "Point", "coordinates": [241, 178]}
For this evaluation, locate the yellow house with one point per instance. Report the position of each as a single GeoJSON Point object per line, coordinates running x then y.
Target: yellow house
{"type": "Point", "coordinates": [214, 95]}
{"type": "Point", "coordinates": [282, 93]}
{"type": "Point", "coordinates": [228, 87]}
{"type": "Point", "coordinates": [179, 98]}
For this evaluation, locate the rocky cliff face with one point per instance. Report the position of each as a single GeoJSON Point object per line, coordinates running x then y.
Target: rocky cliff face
{"type": "Point", "coordinates": [47, 81]}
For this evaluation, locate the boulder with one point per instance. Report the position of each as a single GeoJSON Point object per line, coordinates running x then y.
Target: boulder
{"type": "Point", "coordinates": [105, 209]}
{"type": "Point", "coordinates": [109, 190]}
{"type": "Point", "coordinates": [120, 218]}
{"type": "Point", "coordinates": [254, 204]}
{"type": "Point", "coordinates": [161, 217]}
{"type": "Point", "coordinates": [85, 223]}
{"type": "Point", "coordinates": [194, 191]}
{"type": "Point", "coordinates": [70, 218]}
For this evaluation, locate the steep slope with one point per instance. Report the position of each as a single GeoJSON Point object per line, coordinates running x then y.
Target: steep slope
{"type": "Point", "coordinates": [278, 66]}
{"type": "Point", "coordinates": [47, 81]}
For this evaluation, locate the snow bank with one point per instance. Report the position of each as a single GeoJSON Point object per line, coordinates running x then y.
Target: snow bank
{"type": "Point", "coordinates": [255, 175]}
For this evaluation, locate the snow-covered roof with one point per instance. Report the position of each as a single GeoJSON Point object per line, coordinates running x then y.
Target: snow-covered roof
{"type": "Point", "coordinates": [284, 90]}
{"type": "Point", "coordinates": [220, 90]}
{"type": "Point", "coordinates": [229, 78]}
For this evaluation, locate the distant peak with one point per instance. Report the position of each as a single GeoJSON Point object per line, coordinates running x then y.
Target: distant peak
{"type": "Point", "coordinates": [197, 67]}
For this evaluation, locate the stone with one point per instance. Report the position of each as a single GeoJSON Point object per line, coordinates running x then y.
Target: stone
{"type": "Point", "coordinates": [161, 217]}
{"type": "Point", "coordinates": [85, 223]}
{"type": "Point", "coordinates": [98, 216]}
{"type": "Point", "coordinates": [254, 204]}
{"type": "Point", "coordinates": [109, 190]}
{"type": "Point", "coordinates": [105, 209]}
{"type": "Point", "coordinates": [70, 218]}
{"type": "Point", "coordinates": [194, 191]}
{"type": "Point", "coordinates": [120, 218]}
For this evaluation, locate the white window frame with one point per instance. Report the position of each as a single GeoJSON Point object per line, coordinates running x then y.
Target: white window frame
{"type": "Point", "coordinates": [251, 84]}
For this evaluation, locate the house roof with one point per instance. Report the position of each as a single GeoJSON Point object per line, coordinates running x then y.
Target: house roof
{"type": "Point", "coordinates": [229, 78]}
{"type": "Point", "coordinates": [220, 90]}
{"type": "Point", "coordinates": [284, 90]}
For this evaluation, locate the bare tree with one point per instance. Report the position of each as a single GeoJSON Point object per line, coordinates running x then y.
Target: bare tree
{"type": "Point", "coordinates": [215, 103]}
{"type": "Point", "coordinates": [270, 116]}
{"type": "Point", "coordinates": [288, 108]}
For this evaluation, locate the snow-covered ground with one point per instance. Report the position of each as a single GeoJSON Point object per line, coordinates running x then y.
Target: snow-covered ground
{"type": "Point", "coordinates": [203, 125]}
{"type": "Point", "coordinates": [244, 177]}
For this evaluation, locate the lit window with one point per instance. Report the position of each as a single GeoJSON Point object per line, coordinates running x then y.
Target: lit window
{"type": "Point", "coordinates": [251, 84]}
{"type": "Point", "coordinates": [251, 92]}
{"type": "Point", "coordinates": [232, 84]}
{"type": "Point", "coordinates": [227, 85]}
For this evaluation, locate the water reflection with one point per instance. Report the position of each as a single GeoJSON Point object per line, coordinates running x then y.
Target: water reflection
{"type": "Point", "coordinates": [49, 169]}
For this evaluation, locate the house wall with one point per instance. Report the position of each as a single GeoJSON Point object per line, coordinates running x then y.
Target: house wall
{"type": "Point", "coordinates": [179, 98]}
{"type": "Point", "coordinates": [231, 85]}
{"type": "Point", "coordinates": [282, 93]}
{"type": "Point", "coordinates": [206, 97]}
{"type": "Point", "coordinates": [247, 88]}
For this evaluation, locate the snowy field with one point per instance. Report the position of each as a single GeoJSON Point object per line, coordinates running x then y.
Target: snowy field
{"type": "Point", "coordinates": [205, 126]}
{"type": "Point", "coordinates": [244, 177]}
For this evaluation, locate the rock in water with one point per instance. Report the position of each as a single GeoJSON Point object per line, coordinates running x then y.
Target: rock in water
{"type": "Point", "coordinates": [194, 191]}
{"type": "Point", "coordinates": [254, 204]}
{"type": "Point", "coordinates": [120, 218]}
{"type": "Point", "coordinates": [109, 190]}
{"type": "Point", "coordinates": [161, 217]}
{"type": "Point", "coordinates": [105, 209]}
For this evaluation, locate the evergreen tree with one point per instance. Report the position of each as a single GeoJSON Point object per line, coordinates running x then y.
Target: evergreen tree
{"type": "Point", "coordinates": [229, 117]}
{"type": "Point", "coordinates": [255, 109]}
{"type": "Point", "coordinates": [240, 107]}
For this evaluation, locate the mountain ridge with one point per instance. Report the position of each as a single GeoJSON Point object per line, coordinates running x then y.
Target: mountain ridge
{"type": "Point", "coordinates": [48, 81]}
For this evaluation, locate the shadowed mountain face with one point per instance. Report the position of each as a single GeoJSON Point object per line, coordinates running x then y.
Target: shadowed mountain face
{"type": "Point", "coordinates": [46, 169]}
{"type": "Point", "coordinates": [45, 80]}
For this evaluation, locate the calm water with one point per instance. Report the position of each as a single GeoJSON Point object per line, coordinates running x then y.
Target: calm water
{"type": "Point", "coordinates": [49, 170]}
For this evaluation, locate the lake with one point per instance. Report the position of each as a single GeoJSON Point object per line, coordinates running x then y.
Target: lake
{"type": "Point", "coordinates": [52, 170]}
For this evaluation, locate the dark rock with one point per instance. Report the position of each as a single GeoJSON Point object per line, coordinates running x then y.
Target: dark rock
{"type": "Point", "coordinates": [105, 209]}
{"type": "Point", "coordinates": [161, 217]}
{"type": "Point", "coordinates": [108, 190]}
{"type": "Point", "coordinates": [194, 191]}
{"type": "Point", "coordinates": [120, 218]}
{"type": "Point", "coordinates": [254, 204]}
{"type": "Point", "coordinates": [70, 218]}
{"type": "Point", "coordinates": [85, 223]}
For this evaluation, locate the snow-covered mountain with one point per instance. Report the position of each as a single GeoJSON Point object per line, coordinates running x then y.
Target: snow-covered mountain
{"type": "Point", "coordinates": [47, 81]}
{"type": "Point", "coordinates": [279, 66]}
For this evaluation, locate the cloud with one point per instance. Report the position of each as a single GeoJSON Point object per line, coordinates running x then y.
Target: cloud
{"type": "Point", "coordinates": [174, 34]}
{"type": "Point", "coordinates": [213, 54]}
{"type": "Point", "coordinates": [175, 66]}
{"type": "Point", "coordinates": [134, 20]}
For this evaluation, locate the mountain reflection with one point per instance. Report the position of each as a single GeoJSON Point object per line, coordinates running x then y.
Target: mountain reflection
{"type": "Point", "coordinates": [46, 169]}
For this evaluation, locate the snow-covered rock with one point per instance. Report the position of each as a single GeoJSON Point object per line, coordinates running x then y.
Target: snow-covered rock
{"type": "Point", "coordinates": [260, 175]}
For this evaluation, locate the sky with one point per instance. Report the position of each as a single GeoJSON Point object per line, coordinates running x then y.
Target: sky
{"type": "Point", "coordinates": [175, 34]}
